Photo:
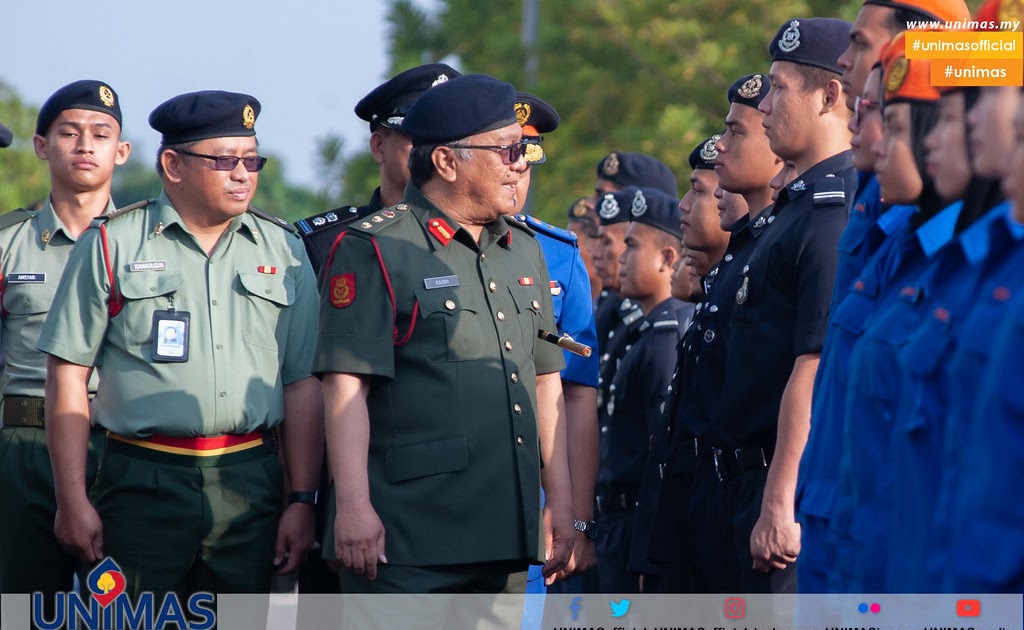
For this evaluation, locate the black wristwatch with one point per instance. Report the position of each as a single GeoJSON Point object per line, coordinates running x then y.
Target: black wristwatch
{"type": "Point", "coordinates": [587, 528]}
{"type": "Point", "coordinates": [312, 497]}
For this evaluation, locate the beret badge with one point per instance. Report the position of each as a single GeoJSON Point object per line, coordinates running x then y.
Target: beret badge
{"type": "Point", "coordinates": [790, 40]}
{"type": "Point", "coordinates": [106, 96]}
{"type": "Point", "coordinates": [609, 207]}
{"type": "Point", "coordinates": [751, 87]}
{"type": "Point", "coordinates": [611, 165]}
{"type": "Point", "coordinates": [248, 117]}
{"type": "Point", "coordinates": [708, 152]}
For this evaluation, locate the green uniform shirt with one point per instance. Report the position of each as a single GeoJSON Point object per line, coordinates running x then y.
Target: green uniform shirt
{"type": "Point", "coordinates": [454, 463]}
{"type": "Point", "coordinates": [253, 308]}
{"type": "Point", "coordinates": [34, 248]}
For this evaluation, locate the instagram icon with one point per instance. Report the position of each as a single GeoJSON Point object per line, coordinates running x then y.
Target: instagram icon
{"type": "Point", "coordinates": [734, 608]}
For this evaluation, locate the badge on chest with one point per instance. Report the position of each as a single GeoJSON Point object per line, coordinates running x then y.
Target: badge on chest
{"type": "Point", "coordinates": [170, 336]}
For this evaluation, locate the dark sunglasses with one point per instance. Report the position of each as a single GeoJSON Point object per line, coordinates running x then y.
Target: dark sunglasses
{"type": "Point", "coordinates": [229, 162]}
{"type": "Point", "coordinates": [510, 153]}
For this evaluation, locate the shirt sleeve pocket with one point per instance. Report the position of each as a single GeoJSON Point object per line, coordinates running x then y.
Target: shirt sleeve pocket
{"type": "Point", "coordinates": [403, 463]}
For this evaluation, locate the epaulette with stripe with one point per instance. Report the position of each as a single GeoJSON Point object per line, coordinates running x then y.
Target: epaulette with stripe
{"type": "Point", "coordinates": [371, 224]}
{"type": "Point", "coordinates": [113, 214]}
{"type": "Point", "coordinates": [324, 220]}
{"type": "Point", "coordinates": [547, 229]}
{"type": "Point", "coordinates": [278, 221]}
{"type": "Point", "coordinates": [830, 191]}
{"type": "Point", "coordinates": [14, 217]}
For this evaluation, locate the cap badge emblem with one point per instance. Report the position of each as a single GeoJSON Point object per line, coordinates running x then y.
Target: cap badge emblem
{"type": "Point", "coordinates": [790, 40]}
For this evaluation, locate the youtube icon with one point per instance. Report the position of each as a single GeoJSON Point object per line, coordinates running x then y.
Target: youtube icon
{"type": "Point", "coordinates": [968, 607]}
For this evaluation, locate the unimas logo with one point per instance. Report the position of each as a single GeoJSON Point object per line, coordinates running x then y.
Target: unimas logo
{"type": "Point", "coordinates": [110, 608]}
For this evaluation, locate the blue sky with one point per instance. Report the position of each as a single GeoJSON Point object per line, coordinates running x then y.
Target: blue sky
{"type": "Point", "coordinates": [307, 61]}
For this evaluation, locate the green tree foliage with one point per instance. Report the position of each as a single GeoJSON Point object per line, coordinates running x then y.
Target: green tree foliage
{"type": "Point", "coordinates": [631, 75]}
{"type": "Point", "coordinates": [25, 178]}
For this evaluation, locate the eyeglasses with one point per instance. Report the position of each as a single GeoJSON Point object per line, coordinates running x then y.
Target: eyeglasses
{"type": "Point", "coordinates": [510, 153]}
{"type": "Point", "coordinates": [229, 162]}
{"type": "Point", "coordinates": [861, 108]}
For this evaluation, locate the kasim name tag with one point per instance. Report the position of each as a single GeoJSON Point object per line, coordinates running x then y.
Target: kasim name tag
{"type": "Point", "coordinates": [16, 278]}
{"type": "Point", "coordinates": [440, 282]}
{"type": "Point", "coordinates": [148, 265]}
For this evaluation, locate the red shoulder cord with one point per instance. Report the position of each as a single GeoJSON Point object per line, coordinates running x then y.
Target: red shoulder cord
{"type": "Point", "coordinates": [116, 302]}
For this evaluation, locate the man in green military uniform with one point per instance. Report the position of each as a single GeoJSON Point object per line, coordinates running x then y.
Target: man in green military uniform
{"type": "Point", "coordinates": [439, 398]}
{"type": "Point", "coordinates": [189, 493]}
{"type": "Point", "coordinates": [78, 133]}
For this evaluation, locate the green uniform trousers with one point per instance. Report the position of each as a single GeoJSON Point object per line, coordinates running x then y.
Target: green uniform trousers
{"type": "Point", "coordinates": [190, 524]}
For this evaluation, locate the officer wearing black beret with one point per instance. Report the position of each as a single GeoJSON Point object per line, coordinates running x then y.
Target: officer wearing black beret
{"type": "Point", "coordinates": [440, 398]}
{"type": "Point", "coordinates": [778, 325]}
{"type": "Point", "coordinates": [6, 137]}
{"type": "Point", "coordinates": [236, 286]}
{"type": "Point", "coordinates": [79, 139]}
{"type": "Point", "coordinates": [384, 108]}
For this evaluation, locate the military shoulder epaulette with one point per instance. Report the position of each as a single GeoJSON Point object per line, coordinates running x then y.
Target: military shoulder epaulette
{"type": "Point", "coordinates": [14, 217]}
{"type": "Point", "coordinates": [322, 221]}
{"type": "Point", "coordinates": [371, 224]}
{"type": "Point", "coordinates": [546, 228]}
{"type": "Point", "coordinates": [113, 214]}
{"type": "Point", "coordinates": [830, 191]}
{"type": "Point", "coordinates": [278, 221]}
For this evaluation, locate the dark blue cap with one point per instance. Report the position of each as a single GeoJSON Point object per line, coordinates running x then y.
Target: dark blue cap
{"type": "Point", "coordinates": [536, 117]}
{"type": "Point", "coordinates": [207, 114]}
{"type": "Point", "coordinates": [637, 169]}
{"type": "Point", "coordinates": [749, 90]}
{"type": "Point", "coordinates": [387, 104]}
{"type": "Point", "coordinates": [86, 94]}
{"type": "Point", "coordinates": [461, 107]}
{"type": "Point", "coordinates": [655, 208]}
{"type": "Point", "coordinates": [6, 137]}
{"type": "Point", "coordinates": [814, 42]}
{"type": "Point", "coordinates": [580, 210]}
{"type": "Point", "coordinates": [705, 153]}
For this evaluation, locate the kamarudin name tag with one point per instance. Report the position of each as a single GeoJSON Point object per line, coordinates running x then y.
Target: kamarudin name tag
{"type": "Point", "coordinates": [148, 265]}
{"type": "Point", "coordinates": [441, 282]}
{"type": "Point", "coordinates": [25, 278]}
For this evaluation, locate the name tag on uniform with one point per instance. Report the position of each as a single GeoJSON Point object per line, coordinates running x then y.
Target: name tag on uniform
{"type": "Point", "coordinates": [148, 265]}
{"type": "Point", "coordinates": [441, 282]}
{"type": "Point", "coordinates": [25, 278]}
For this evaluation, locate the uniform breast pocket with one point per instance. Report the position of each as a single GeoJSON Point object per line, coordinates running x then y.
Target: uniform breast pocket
{"type": "Point", "coordinates": [528, 305]}
{"type": "Point", "coordinates": [143, 293]}
{"type": "Point", "coordinates": [267, 296]}
{"type": "Point", "coordinates": [450, 324]}
{"type": "Point", "coordinates": [28, 298]}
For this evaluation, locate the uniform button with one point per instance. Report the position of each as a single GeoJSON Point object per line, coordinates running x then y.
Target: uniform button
{"type": "Point", "coordinates": [214, 302]}
{"type": "Point", "coordinates": [492, 286]}
{"type": "Point", "coordinates": [152, 288]}
{"type": "Point", "coordinates": [728, 257]}
{"type": "Point", "coordinates": [604, 429]}
{"type": "Point", "coordinates": [519, 440]}
{"type": "Point", "coordinates": [267, 291]}
{"type": "Point", "coordinates": [223, 394]}
{"type": "Point", "coordinates": [611, 333]}
{"type": "Point", "coordinates": [508, 346]}
{"type": "Point", "coordinates": [483, 257]}
{"type": "Point", "coordinates": [517, 408]}
{"type": "Point", "coordinates": [514, 377]}
{"type": "Point", "coordinates": [449, 304]}
{"type": "Point", "coordinates": [535, 304]}
{"type": "Point", "coordinates": [220, 346]}
{"type": "Point", "coordinates": [501, 316]}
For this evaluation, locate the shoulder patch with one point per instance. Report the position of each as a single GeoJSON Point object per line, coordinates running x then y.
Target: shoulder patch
{"type": "Point", "coordinates": [516, 223]}
{"type": "Point", "coordinates": [373, 223]}
{"type": "Point", "coordinates": [278, 221]}
{"type": "Point", "coordinates": [830, 191]}
{"type": "Point", "coordinates": [15, 217]}
{"type": "Point", "coordinates": [106, 216]}
{"type": "Point", "coordinates": [324, 220]}
{"type": "Point", "coordinates": [547, 229]}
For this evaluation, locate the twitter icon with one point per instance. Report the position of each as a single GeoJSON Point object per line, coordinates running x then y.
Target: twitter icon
{"type": "Point", "coordinates": [619, 608]}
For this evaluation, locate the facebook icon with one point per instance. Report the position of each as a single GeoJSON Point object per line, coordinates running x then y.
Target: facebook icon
{"type": "Point", "coordinates": [575, 607]}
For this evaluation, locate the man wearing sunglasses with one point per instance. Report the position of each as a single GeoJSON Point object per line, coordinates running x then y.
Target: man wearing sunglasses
{"type": "Point", "coordinates": [191, 494]}
{"type": "Point", "coordinates": [78, 134]}
{"type": "Point", "coordinates": [440, 400]}
{"type": "Point", "coordinates": [384, 108]}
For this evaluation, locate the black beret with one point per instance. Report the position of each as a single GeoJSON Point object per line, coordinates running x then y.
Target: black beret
{"type": "Point", "coordinates": [461, 107]}
{"type": "Point", "coordinates": [749, 90]}
{"type": "Point", "coordinates": [632, 203]}
{"type": "Point", "coordinates": [536, 117]}
{"type": "Point", "coordinates": [6, 137]}
{"type": "Point", "coordinates": [387, 104]}
{"type": "Point", "coordinates": [814, 42]}
{"type": "Point", "coordinates": [85, 94]}
{"type": "Point", "coordinates": [704, 154]}
{"type": "Point", "coordinates": [207, 114]}
{"type": "Point", "coordinates": [637, 169]}
{"type": "Point", "coordinates": [655, 208]}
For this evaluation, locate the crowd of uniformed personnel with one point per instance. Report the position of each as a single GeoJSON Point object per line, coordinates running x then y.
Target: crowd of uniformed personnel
{"type": "Point", "coordinates": [800, 376]}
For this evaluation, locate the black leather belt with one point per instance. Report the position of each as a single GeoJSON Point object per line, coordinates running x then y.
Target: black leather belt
{"type": "Point", "coordinates": [23, 411]}
{"type": "Point", "coordinates": [730, 462]}
{"type": "Point", "coordinates": [619, 499]}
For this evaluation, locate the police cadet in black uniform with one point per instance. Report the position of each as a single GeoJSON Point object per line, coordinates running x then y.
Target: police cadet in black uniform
{"type": "Point", "coordinates": [384, 108]}
{"type": "Point", "coordinates": [652, 247]}
{"type": "Point", "coordinates": [779, 322]}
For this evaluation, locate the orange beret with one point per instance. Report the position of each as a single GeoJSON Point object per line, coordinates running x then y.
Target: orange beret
{"type": "Point", "coordinates": [995, 12]}
{"type": "Point", "coordinates": [905, 80]}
